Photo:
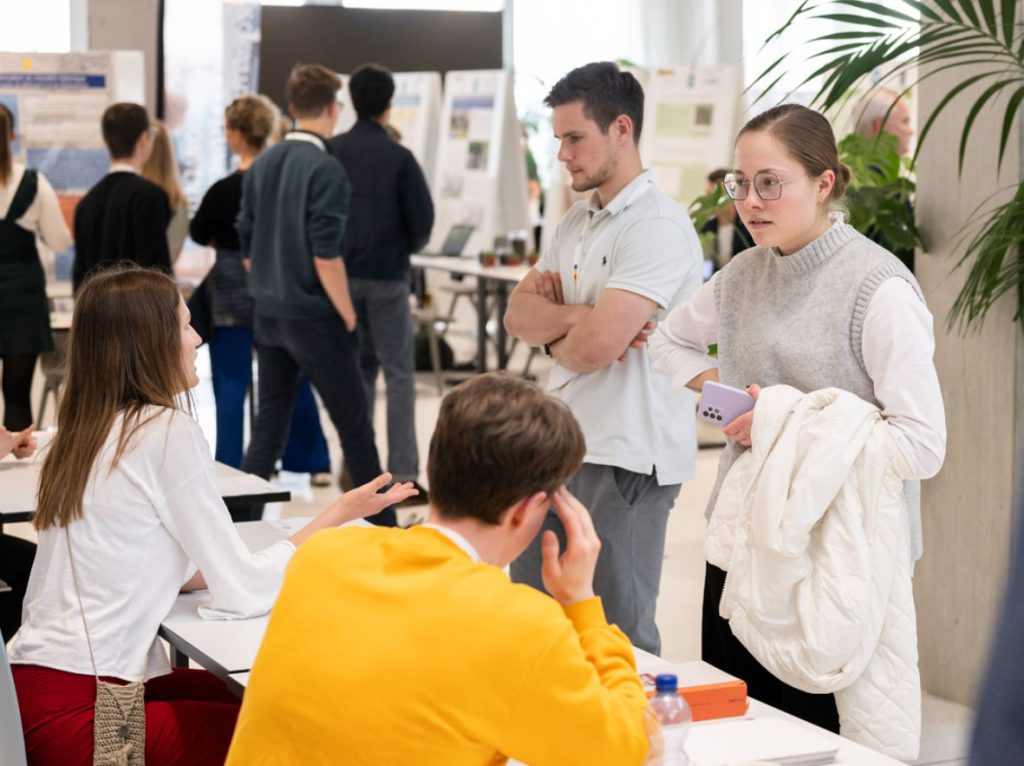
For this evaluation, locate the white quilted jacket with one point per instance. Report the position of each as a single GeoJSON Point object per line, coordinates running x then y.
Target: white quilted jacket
{"type": "Point", "coordinates": [811, 528]}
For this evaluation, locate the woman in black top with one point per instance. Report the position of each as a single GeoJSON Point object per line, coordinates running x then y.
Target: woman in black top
{"type": "Point", "coordinates": [28, 208]}
{"type": "Point", "coordinates": [249, 121]}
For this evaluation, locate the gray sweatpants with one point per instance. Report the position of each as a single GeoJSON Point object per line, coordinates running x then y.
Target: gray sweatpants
{"type": "Point", "coordinates": [630, 513]}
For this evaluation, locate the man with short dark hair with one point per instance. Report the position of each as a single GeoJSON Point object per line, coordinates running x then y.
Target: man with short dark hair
{"type": "Point", "coordinates": [291, 222]}
{"type": "Point", "coordinates": [411, 646]}
{"type": "Point", "coordinates": [123, 217]}
{"type": "Point", "coordinates": [390, 215]}
{"type": "Point", "coordinates": [618, 262]}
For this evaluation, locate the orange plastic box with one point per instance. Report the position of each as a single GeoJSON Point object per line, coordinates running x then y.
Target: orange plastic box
{"type": "Point", "coordinates": [708, 701]}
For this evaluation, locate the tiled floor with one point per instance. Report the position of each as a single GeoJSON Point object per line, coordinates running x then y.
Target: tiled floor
{"type": "Point", "coordinates": [946, 724]}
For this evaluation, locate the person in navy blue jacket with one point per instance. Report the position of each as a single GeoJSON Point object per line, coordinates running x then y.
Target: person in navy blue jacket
{"type": "Point", "coordinates": [390, 214]}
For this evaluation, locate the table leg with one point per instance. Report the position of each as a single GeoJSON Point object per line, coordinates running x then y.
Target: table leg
{"type": "Point", "coordinates": [481, 324]}
{"type": "Point", "coordinates": [501, 302]}
{"type": "Point", "coordinates": [419, 285]}
{"type": "Point", "coordinates": [178, 658]}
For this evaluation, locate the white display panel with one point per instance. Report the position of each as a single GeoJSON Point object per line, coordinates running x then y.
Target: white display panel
{"type": "Point", "coordinates": [58, 100]}
{"type": "Point", "coordinates": [480, 176]}
{"type": "Point", "coordinates": [690, 122]}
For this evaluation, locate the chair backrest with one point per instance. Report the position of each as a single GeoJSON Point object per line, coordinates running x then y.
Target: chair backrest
{"type": "Point", "coordinates": [12, 752]}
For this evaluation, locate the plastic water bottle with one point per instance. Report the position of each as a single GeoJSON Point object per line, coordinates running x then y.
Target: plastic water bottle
{"type": "Point", "coordinates": [670, 708]}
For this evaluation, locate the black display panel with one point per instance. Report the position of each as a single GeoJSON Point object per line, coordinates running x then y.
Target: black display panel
{"type": "Point", "coordinates": [403, 41]}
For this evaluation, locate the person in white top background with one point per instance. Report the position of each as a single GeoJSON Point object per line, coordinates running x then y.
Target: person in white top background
{"type": "Point", "coordinates": [813, 305]}
{"type": "Point", "coordinates": [128, 489]}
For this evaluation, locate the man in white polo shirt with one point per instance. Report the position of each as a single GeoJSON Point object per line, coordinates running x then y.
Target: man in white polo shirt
{"type": "Point", "coordinates": [618, 263]}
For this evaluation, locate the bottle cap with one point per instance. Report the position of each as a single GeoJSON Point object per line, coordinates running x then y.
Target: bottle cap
{"type": "Point", "coordinates": [666, 683]}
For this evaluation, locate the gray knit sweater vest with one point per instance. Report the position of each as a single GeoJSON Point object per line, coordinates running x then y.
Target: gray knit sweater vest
{"type": "Point", "coordinates": [797, 320]}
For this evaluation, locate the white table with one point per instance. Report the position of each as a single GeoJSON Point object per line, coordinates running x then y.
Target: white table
{"type": "Point", "coordinates": [223, 646]}
{"type": "Point", "coordinates": [500, 277]}
{"type": "Point", "coordinates": [19, 480]}
{"type": "Point", "coordinates": [227, 648]}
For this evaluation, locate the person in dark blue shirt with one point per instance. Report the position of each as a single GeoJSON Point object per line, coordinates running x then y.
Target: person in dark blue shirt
{"type": "Point", "coordinates": [291, 223]}
{"type": "Point", "coordinates": [390, 214]}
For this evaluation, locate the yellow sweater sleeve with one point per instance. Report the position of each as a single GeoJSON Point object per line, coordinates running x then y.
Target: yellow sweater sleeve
{"type": "Point", "coordinates": [580, 706]}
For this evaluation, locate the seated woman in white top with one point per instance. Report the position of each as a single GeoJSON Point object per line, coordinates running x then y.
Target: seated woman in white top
{"type": "Point", "coordinates": [128, 489]}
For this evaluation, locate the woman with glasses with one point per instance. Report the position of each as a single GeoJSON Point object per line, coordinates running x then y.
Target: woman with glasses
{"type": "Point", "coordinates": [814, 304]}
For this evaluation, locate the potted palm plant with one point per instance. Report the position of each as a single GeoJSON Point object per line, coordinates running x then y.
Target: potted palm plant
{"type": "Point", "coordinates": [919, 39]}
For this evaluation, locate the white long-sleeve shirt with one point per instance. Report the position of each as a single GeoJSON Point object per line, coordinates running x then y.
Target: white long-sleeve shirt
{"type": "Point", "coordinates": [899, 363]}
{"type": "Point", "coordinates": [43, 217]}
{"type": "Point", "coordinates": [146, 525]}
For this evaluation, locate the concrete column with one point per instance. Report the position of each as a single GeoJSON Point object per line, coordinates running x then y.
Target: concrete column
{"type": "Point", "coordinates": [119, 25]}
{"type": "Point", "coordinates": [967, 510]}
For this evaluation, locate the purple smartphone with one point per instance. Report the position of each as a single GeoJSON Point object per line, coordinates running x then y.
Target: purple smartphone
{"type": "Point", "coordinates": [720, 405]}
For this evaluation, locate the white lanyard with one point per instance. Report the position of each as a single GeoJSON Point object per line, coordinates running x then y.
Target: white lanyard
{"type": "Point", "coordinates": [577, 255]}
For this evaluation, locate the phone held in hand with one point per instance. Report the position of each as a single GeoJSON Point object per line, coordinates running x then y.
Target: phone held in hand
{"type": "Point", "coordinates": [720, 405]}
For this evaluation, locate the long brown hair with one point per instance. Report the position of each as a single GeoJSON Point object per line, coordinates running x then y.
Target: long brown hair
{"type": "Point", "coordinates": [161, 167]}
{"type": "Point", "coordinates": [6, 137]}
{"type": "Point", "coordinates": [124, 355]}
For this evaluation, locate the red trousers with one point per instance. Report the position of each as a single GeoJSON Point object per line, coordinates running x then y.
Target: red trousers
{"type": "Point", "coordinates": [190, 717]}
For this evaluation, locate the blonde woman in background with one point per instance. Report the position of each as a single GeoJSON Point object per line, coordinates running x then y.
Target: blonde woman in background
{"type": "Point", "coordinates": [251, 122]}
{"type": "Point", "coordinates": [162, 169]}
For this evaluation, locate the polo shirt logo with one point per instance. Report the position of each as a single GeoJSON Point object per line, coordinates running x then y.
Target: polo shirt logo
{"type": "Point", "coordinates": [604, 260]}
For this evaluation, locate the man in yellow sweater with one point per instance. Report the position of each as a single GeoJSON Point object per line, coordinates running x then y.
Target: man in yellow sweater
{"type": "Point", "coordinates": [390, 646]}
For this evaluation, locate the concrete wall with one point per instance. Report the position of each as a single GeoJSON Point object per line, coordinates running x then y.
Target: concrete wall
{"type": "Point", "coordinates": [119, 25]}
{"type": "Point", "coordinates": [967, 509]}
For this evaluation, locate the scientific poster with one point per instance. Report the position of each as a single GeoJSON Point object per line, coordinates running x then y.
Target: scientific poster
{"type": "Point", "coordinates": [689, 123]}
{"type": "Point", "coordinates": [57, 101]}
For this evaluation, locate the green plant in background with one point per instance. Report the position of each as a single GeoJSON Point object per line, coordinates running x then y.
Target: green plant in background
{"type": "Point", "coordinates": [981, 37]}
{"type": "Point", "coordinates": [702, 210]}
{"type": "Point", "coordinates": [878, 196]}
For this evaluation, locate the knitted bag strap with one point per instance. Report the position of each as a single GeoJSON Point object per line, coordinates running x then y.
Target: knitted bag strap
{"type": "Point", "coordinates": [81, 611]}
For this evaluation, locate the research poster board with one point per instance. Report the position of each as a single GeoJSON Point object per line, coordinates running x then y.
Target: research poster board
{"type": "Point", "coordinates": [57, 100]}
{"type": "Point", "coordinates": [480, 175]}
{"type": "Point", "coordinates": [415, 110]}
{"type": "Point", "coordinates": [690, 121]}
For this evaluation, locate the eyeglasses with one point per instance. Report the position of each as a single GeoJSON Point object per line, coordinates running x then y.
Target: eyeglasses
{"type": "Point", "coordinates": [767, 185]}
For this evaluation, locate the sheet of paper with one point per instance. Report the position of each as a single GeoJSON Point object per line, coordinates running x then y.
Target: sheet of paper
{"type": "Point", "coordinates": [746, 740]}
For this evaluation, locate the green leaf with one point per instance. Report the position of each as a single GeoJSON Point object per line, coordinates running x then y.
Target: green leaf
{"type": "Point", "coordinates": [1012, 111]}
{"type": "Point", "coordinates": [801, 10]}
{"type": "Point", "coordinates": [967, 6]}
{"type": "Point", "coordinates": [988, 11]}
{"type": "Point", "coordinates": [949, 10]}
{"type": "Point", "coordinates": [972, 115]}
{"type": "Point", "coordinates": [879, 9]}
{"type": "Point", "coordinates": [1008, 15]}
{"type": "Point", "coordinates": [953, 93]}
{"type": "Point", "coordinates": [923, 9]}
{"type": "Point", "coordinates": [853, 20]}
{"type": "Point", "coordinates": [767, 71]}
{"type": "Point", "coordinates": [865, 34]}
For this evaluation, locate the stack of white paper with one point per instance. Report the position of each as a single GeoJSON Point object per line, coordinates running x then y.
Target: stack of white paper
{"type": "Point", "coordinates": [758, 740]}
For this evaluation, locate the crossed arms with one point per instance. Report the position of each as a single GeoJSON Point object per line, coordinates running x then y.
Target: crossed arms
{"type": "Point", "coordinates": [581, 338]}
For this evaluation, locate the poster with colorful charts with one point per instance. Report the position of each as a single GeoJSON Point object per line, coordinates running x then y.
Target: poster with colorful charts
{"type": "Point", "coordinates": [690, 121]}
{"type": "Point", "coordinates": [480, 174]}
